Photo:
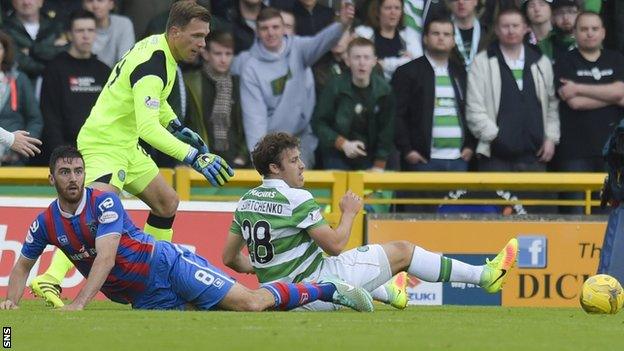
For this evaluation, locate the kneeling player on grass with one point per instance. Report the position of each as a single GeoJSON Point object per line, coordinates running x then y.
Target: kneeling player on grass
{"type": "Point", "coordinates": [286, 235]}
{"type": "Point", "coordinates": [130, 267]}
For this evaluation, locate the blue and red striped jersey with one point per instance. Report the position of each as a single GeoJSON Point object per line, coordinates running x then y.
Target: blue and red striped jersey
{"type": "Point", "coordinates": [99, 214]}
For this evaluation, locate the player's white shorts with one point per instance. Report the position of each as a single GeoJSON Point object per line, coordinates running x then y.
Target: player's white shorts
{"type": "Point", "coordinates": [366, 266]}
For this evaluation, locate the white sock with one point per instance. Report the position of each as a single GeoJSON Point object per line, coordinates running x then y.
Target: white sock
{"type": "Point", "coordinates": [425, 265]}
{"type": "Point", "coordinates": [432, 267]}
{"type": "Point", "coordinates": [380, 294]}
{"type": "Point", "coordinates": [465, 273]}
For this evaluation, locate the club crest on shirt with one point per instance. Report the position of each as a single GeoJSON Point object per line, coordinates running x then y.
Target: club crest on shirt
{"type": "Point", "coordinates": [121, 175]}
{"type": "Point", "coordinates": [63, 239]}
{"type": "Point", "coordinates": [363, 248]}
{"type": "Point", "coordinates": [358, 109]}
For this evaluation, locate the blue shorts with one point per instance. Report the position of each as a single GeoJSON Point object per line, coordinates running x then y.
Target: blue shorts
{"type": "Point", "coordinates": [179, 277]}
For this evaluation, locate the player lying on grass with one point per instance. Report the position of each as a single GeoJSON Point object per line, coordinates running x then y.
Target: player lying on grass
{"type": "Point", "coordinates": [130, 267]}
{"type": "Point", "coordinates": [133, 105]}
{"type": "Point", "coordinates": [286, 235]}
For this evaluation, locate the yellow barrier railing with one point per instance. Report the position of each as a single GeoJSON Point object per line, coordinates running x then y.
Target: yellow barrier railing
{"type": "Point", "coordinates": [544, 181]}
{"type": "Point", "coordinates": [445, 181]}
{"type": "Point", "coordinates": [39, 175]}
{"type": "Point", "coordinates": [339, 182]}
{"type": "Point", "coordinates": [358, 182]}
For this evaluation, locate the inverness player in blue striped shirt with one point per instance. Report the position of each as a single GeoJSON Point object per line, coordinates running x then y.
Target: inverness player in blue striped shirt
{"type": "Point", "coordinates": [131, 267]}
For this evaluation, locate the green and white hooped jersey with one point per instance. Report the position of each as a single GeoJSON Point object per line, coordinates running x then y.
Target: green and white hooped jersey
{"type": "Point", "coordinates": [273, 219]}
{"type": "Point", "coordinates": [446, 134]}
{"type": "Point", "coordinates": [413, 11]}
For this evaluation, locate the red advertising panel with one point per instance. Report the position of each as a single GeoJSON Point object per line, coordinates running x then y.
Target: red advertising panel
{"type": "Point", "coordinates": [200, 226]}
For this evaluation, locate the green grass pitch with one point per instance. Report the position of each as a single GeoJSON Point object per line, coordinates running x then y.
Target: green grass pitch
{"type": "Point", "coordinates": [109, 326]}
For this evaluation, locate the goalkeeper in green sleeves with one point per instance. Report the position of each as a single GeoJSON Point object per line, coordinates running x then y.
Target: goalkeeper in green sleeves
{"type": "Point", "coordinates": [134, 105]}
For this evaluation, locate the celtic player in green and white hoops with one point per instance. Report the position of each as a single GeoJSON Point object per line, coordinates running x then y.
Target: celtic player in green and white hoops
{"type": "Point", "coordinates": [287, 238]}
{"type": "Point", "coordinates": [133, 105]}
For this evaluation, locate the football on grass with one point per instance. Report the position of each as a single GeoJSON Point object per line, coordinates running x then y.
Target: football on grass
{"type": "Point", "coordinates": [602, 294]}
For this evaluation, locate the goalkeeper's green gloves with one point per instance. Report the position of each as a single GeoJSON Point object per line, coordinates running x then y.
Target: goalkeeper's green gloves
{"type": "Point", "coordinates": [211, 166]}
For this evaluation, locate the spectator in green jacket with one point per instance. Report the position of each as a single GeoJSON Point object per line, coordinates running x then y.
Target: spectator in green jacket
{"type": "Point", "coordinates": [561, 38]}
{"type": "Point", "coordinates": [38, 38]}
{"type": "Point", "coordinates": [213, 101]}
{"type": "Point", "coordinates": [354, 117]}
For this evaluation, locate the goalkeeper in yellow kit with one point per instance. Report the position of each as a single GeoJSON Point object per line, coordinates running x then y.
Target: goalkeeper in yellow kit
{"type": "Point", "coordinates": [134, 105]}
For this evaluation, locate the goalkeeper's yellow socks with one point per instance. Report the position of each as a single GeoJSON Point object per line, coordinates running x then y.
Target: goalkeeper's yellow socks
{"type": "Point", "coordinates": [59, 266]}
{"type": "Point", "coordinates": [48, 285]}
{"type": "Point", "coordinates": [159, 227]}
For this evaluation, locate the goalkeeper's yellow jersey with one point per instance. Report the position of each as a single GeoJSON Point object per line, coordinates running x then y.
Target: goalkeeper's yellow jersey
{"type": "Point", "coordinates": [133, 104]}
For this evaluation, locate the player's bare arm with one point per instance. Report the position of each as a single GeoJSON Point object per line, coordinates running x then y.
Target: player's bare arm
{"type": "Point", "coordinates": [106, 247]}
{"type": "Point", "coordinates": [333, 241]}
{"type": "Point", "coordinates": [233, 257]}
{"type": "Point", "coordinates": [17, 283]}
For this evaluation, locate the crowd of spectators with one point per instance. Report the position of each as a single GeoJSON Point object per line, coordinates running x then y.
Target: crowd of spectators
{"type": "Point", "coordinates": [412, 85]}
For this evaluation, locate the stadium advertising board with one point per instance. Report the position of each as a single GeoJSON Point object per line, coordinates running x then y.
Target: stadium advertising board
{"type": "Point", "coordinates": [555, 257]}
{"type": "Point", "coordinates": [424, 293]}
{"type": "Point", "coordinates": [468, 294]}
{"type": "Point", "coordinates": [200, 226]}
